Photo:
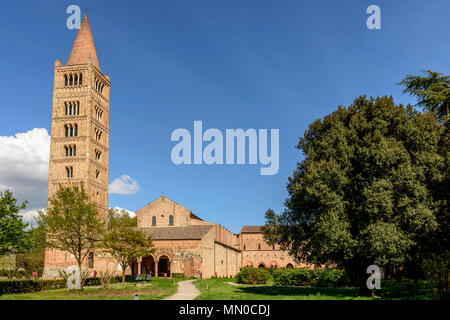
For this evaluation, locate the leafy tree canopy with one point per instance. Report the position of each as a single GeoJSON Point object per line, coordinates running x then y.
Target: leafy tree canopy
{"type": "Point", "coordinates": [432, 90]}
{"type": "Point", "coordinates": [124, 242]}
{"type": "Point", "coordinates": [365, 191]}
{"type": "Point", "coordinates": [120, 218]}
{"type": "Point", "coordinates": [72, 222]}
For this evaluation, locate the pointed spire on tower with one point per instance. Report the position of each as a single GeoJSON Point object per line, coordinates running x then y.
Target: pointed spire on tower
{"type": "Point", "coordinates": [83, 50]}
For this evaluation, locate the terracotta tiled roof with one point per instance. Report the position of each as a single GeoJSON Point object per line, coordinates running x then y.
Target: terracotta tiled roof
{"type": "Point", "coordinates": [178, 233]}
{"type": "Point", "coordinates": [83, 47]}
{"type": "Point", "coordinates": [251, 229]}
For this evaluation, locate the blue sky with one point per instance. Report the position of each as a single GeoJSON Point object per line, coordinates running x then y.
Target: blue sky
{"type": "Point", "coordinates": [232, 64]}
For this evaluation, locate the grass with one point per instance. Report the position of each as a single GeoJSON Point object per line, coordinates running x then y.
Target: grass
{"type": "Point", "coordinates": [155, 290]}
{"type": "Point", "coordinates": [221, 289]}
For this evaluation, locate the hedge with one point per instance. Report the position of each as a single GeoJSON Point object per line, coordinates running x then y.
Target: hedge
{"type": "Point", "coordinates": [23, 286]}
{"type": "Point", "coordinates": [250, 275]}
{"type": "Point", "coordinates": [310, 277]}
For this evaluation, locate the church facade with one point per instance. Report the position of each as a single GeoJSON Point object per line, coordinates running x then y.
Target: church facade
{"type": "Point", "coordinates": [184, 243]}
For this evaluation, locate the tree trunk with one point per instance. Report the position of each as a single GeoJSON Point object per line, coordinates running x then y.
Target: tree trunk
{"type": "Point", "coordinates": [123, 274]}
{"type": "Point", "coordinates": [81, 276]}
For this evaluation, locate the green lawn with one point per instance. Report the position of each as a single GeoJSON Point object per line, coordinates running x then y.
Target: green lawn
{"type": "Point", "coordinates": [155, 290]}
{"type": "Point", "coordinates": [220, 289]}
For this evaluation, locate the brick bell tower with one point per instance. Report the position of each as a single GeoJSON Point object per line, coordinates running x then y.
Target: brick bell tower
{"type": "Point", "coordinates": [79, 131]}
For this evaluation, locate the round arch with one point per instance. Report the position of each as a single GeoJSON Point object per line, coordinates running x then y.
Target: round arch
{"type": "Point", "coordinates": [148, 265]}
{"type": "Point", "coordinates": [289, 266]}
{"type": "Point", "coordinates": [249, 264]}
{"type": "Point", "coordinates": [163, 266]}
{"type": "Point", "coordinates": [274, 264]}
{"type": "Point", "coordinates": [261, 265]}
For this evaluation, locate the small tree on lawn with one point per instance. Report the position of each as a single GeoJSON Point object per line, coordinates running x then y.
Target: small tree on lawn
{"type": "Point", "coordinates": [125, 243]}
{"type": "Point", "coordinates": [33, 260]}
{"type": "Point", "coordinates": [14, 238]}
{"type": "Point", "coordinates": [72, 222]}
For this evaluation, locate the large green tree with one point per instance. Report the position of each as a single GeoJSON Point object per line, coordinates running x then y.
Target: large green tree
{"type": "Point", "coordinates": [124, 242]}
{"type": "Point", "coordinates": [14, 238]}
{"type": "Point", "coordinates": [362, 194]}
{"type": "Point", "coordinates": [72, 222]}
{"type": "Point", "coordinates": [432, 91]}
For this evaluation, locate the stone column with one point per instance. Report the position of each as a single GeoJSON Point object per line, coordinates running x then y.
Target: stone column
{"type": "Point", "coordinates": [139, 261]}
{"type": "Point", "coordinates": [156, 268]}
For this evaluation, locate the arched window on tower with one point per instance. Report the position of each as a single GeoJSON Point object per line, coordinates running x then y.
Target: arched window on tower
{"type": "Point", "coordinates": [69, 171]}
{"type": "Point", "coordinates": [70, 80]}
{"type": "Point", "coordinates": [153, 221]}
{"type": "Point", "coordinates": [75, 80]}
{"type": "Point", "coordinates": [66, 80]}
{"type": "Point", "coordinates": [98, 153]}
{"type": "Point", "coordinates": [80, 79]}
{"type": "Point", "coordinates": [71, 151]}
{"type": "Point", "coordinates": [71, 130]}
{"type": "Point", "coordinates": [98, 135]}
{"type": "Point", "coordinates": [170, 220]}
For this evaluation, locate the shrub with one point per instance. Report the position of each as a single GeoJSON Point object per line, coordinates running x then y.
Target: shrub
{"type": "Point", "coordinates": [178, 275]}
{"type": "Point", "coordinates": [437, 271]}
{"type": "Point", "coordinates": [292, 277]}
{"type": "Point", "coordinates": [329, 278]}
{"type": "Point", "coordinates": [106, 278]}
{"type": "Point", "coordinates": [12, 273]}
{"type": "Point", "coordinates": [250, 275]}
{"type": "Point", "coordinates": [309, 277]}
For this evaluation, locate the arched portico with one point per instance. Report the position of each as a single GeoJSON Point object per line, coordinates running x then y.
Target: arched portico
{"type": "Point", "coordinates": [144, 265]}
{"type": "Point", "coordinates": [163, 266]}
{"type": "Point", "coordinates": [148, 265]}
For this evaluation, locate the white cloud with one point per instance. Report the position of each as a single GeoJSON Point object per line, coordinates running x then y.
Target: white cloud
{"type": "Point", "coordinates": [124, 211]}
{"type": "Point", "coordinates": [24, 161]}
{"type": "Point", "coordinates": [29, 216]}
{"type": "Point", "coordinates": [123, 185]}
